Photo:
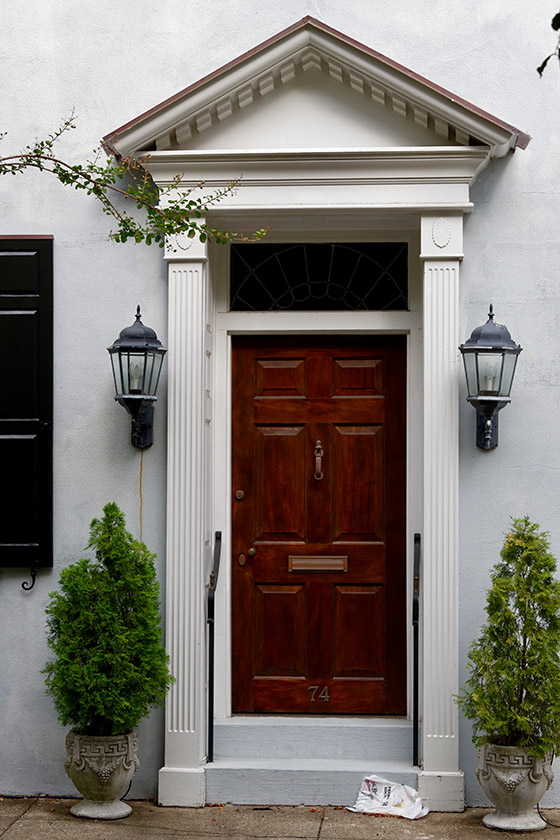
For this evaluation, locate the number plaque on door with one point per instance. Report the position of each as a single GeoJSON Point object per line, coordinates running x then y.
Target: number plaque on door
{"type": "Point", "coordinates": [324, 695]}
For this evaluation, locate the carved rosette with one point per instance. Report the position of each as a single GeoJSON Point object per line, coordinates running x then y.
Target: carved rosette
{"type": "Point", "coordinates": [101, 767]}
{"type": "Point", "coordinates": [514, 782]}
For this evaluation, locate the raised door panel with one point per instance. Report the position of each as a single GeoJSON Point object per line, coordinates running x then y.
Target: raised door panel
{"type": "Point", "coordinates": [279, 483]}
{"type": "Point", "coordinates": [279, 378]}
{"type": "Point", "coordinates": [280, 630]}
{"type": "Point", "coordinates": [358, 510]}
{"type": "Point", "coordinates": [356, 608]}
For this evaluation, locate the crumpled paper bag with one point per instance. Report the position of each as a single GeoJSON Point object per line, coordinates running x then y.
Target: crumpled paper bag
{"type": "Point", "coordinates": [380, 796]}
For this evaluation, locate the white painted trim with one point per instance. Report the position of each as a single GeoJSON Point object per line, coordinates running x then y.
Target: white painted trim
{"type": "Point", "coordinates": [329, 170]}
{"type": "Point", "coordinates": [182, 787]}
{"type": "Point", "coordinates": [442, 791]}
{"type": "Point", "coordinates": [440, 616]}
{"type": "Point", "coordinates": [181, 781]}
{"type": "Point", "coordinates": [192, 345]}
{"type": "Point", "coordinates": [308, 323]}
{"type": "Point", "coordinates": [312, 47]}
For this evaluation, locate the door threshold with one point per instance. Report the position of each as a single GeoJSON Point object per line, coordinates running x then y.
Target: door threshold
{"type": "Point", "coordinates": [299, 720]}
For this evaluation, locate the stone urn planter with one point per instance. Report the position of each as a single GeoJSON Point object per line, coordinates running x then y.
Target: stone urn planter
{"type": "Point", "coordinates": [512, 694]}
{"type": "Point", "coordinates": [514, 781]}
{"type": "Point", "coordinates": [101, 767]}
{"type": "Point", "coordinates": [109, 668]}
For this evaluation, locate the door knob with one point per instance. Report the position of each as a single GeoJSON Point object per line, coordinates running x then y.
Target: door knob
{"type": "Point", "coordinates": [252, 552]}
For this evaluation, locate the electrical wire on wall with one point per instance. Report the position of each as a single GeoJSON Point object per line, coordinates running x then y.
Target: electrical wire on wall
{"type": "Point", "coordinates": [140, 489]}
{"type": "Point", "coordinates": [125, 794]}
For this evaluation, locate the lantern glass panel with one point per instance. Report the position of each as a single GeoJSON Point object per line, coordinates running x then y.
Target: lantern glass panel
{"type": "Point", "coordinates": [125, 362]}
{"type": "Point", "coordinates": [117, 372]}
{"type": "Point", "coordinates": [510, 361]}
{"type": "Point", "coordinates": [489, 373]}
{"type": "Point", "coordinates": [153, 369]}
{"type": "Point", "coordinates": [471, 373]}
{"type": "Point", "coordinates": [148, 373]}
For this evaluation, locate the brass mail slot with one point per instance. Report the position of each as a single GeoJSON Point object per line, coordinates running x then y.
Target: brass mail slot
{"type": "Point", "coordinates": [316, 563]}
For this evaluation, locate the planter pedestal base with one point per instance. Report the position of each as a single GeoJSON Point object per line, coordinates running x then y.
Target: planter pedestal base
{"type": "Point", "coordinates": [92, 810]}
{"type": "Point", "coordinates": [514, 822]}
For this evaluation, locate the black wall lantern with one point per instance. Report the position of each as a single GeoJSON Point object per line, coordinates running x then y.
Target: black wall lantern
{"type": "Point", "coordinates": [490, 356]}
{"type": "Point", "coordinates": [137, 357]}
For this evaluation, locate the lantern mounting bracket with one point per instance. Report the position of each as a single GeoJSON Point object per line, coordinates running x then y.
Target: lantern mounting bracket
{"type": "Point", "coordinates": [142, 421]}
{"type": "Point", "coordinates": [486, 431]}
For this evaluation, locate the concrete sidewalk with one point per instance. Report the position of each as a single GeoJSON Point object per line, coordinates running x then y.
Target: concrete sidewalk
{"type": "Point", "coordinates": [49, 819]}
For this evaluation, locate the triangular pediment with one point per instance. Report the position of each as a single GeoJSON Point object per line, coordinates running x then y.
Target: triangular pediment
{"type": "Point", "coordinates": [311, 111]}
{"type": "Point", "coordinates": [312, 87]}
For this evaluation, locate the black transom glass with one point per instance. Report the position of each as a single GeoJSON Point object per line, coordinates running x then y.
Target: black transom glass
{"type": "Point", "coordinates": [319, 276]}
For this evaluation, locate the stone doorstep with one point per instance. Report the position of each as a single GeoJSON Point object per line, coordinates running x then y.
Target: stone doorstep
{"type": "Point", "coordinates": [384, 739]}
{"type": "Point", "coordinates": [297, 781]}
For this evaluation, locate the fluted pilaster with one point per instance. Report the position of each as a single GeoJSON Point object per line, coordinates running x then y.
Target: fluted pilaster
{"type": "Point", "coordinates": [442, 253]}
{"type": "Point", "coordinates": [182, 778]}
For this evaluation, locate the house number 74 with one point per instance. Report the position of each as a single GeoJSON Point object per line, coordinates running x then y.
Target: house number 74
{"type": "Point", "coordinates": [324, 694]}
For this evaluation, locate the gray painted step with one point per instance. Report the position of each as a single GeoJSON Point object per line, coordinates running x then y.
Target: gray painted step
{"type": "Point", "coordinates": [297, 781]}
{"type": "Point", "coordinates": [359, 739]}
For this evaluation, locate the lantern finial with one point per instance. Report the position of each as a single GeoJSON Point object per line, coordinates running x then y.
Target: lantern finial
{"type": "Point", "coordinates": [490, 313]}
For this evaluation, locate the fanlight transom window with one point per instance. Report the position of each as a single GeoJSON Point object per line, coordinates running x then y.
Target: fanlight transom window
{"type": "Point", "coordinates": [319, 276]}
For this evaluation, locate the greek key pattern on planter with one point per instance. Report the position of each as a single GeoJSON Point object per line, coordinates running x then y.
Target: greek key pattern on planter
{"type": "Point", "coordinates": [511, 768]}
{"type": "Point", "coordinates": [103, 757]}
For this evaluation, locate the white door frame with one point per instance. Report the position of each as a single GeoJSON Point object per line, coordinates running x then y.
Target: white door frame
{"type": "Point", "coordinates": [228, 324]}
{"type": "Point", "coordinates": [425, 189]}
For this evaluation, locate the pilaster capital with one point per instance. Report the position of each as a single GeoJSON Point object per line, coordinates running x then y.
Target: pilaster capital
{"type": "Point", "coordinates": [182, 249]}
{"type": "Point", "coordinates": [441, 237]}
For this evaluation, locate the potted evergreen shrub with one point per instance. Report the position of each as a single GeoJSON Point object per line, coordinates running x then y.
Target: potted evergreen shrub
{"type": "Point", "coordinates": [513, 691]}
{"type": "Point", "coordinates": [109, 667]}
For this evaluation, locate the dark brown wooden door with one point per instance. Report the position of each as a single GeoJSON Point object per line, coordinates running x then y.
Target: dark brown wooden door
{"type": "Point", "coordinates": [319, 525]}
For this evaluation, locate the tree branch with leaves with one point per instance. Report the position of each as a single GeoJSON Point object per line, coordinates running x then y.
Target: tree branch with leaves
{"type": "Point", "coordinates": [556, 26]}
{"type": "Point", "coordinates": [124, 188]}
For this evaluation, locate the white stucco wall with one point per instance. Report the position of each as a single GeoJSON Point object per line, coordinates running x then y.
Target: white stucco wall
{"type": "Point", "coordinates": [112, 61]}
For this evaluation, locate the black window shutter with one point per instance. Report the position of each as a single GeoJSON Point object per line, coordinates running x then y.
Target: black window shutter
{"type": "Point", "coordinates": [26, 351]}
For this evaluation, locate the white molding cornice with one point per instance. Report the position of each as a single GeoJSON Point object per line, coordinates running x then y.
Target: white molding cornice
{"type": "Point", "coordinates": [305, 156]}
{"type": "Point", "coordinates": [272, 167]}
{"type": "Point", "coordinates": [312, 47]}
{"type": "Point", "coordinates": [419, 179]}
